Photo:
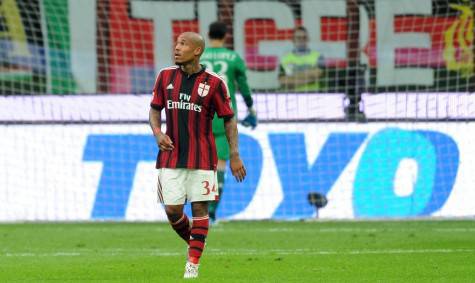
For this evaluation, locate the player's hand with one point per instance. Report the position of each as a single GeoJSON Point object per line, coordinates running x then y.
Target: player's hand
{"type": "Point", "coordinates": [164, 142]}
{"type": "Point", "coordinates": [251, 119]}
{"type": "Point", "coordinates": [237, 167]}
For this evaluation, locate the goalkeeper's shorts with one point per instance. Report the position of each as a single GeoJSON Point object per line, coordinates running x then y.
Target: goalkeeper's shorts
{"type": "Point", "coordinates": [222, 146]}
{"type": "Point", "coordinates": [178, 185]}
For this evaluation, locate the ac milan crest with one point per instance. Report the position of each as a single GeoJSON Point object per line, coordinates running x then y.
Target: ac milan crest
{"type": "Point", "coordinates": [203, 89]}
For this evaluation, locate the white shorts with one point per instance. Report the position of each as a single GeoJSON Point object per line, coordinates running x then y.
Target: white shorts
{"type": "Point", "coordinates": [177, 186]}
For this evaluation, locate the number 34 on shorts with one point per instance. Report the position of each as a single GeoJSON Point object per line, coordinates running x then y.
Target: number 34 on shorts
{"type": "Point", "coordinates": [207, 189]}
{"type": "Point", "coordinates": [175, 186]}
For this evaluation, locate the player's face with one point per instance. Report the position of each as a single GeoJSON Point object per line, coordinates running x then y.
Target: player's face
{"type": "Point", "coordinates": [300, 39]}
{"type": "Point", "coordinates": [185, 50]}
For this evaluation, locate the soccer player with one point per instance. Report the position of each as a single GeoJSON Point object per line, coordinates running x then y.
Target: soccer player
{"type": "Point", "coordinates": [230, 66]}
{"type": "Point", "coordinates": [187, 159]}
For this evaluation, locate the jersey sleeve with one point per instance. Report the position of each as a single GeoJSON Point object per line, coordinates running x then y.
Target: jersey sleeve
{"type": "Point", "coordinates": [158, 96]}
{"type": "Point", "coordinates": [241, 79]}
{"type": "Point", "coordinates": [222, 101]}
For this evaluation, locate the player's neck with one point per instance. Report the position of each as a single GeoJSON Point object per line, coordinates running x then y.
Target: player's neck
{"type": "Point", "coordinates": [216, 43]}
{"type": "Point", "coordinates": [191, 68]}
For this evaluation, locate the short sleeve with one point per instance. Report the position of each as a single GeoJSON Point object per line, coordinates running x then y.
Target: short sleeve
{"type": "Point", "coordinates": [222, 101]}
{"type": "Point", "coordinates": [158, 96]}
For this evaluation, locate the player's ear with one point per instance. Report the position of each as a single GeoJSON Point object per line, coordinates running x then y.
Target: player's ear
{"type": "Point", "coordinates": [198, 50]}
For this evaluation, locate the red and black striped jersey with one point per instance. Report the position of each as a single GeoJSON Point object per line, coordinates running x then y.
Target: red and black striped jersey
{"type": "Point", "coordinates": [190, 102]}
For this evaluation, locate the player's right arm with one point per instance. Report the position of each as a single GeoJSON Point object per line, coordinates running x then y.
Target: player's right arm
{"type": "Point", "coordinates": [163, 141]}
{"type": "Point", "coordinates": [155, 118]}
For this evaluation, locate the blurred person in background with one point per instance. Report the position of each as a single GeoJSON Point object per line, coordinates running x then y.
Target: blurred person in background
{"type": "Point", "coordinates": [301, 68]}
{"type": "Point", "coordinates": [231, 67]}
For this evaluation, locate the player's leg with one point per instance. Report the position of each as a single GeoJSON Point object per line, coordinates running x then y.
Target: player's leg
{"type": "Point", "coordinates": [179, 221]}
{"type": "Point", "coordinates": [199, 231]}
{"type": "Point", "coordinates": [201, 189]}
{"type": "Point", "coordinates": [213, 205]}
{"type": "Point", "coordinates": [171, 193]}
{"type": "Point", "coordinates": [222, 149]}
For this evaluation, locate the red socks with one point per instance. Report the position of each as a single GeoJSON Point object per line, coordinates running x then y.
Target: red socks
{"type": "Point", "coordinates": [182, 228]}
{"type": "Point", "coordinates": [199, 231]}
{"type": "Point", "coordinates": [195, 237]}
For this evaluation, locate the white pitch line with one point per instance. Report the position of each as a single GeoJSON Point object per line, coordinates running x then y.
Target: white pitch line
{"type": "Point", "coordinates": [333, 252]}
{"type": "Point", "coordinates": [57, 254]}
{"type": "Point", "coordinates": [254, 252]}
{"type": "Point", "coordinates": [340, 230]}
{"type": "Point", "coordinates": [451, 230]}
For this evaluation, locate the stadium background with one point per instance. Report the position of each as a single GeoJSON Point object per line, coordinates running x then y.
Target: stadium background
{"type": "Point", "coordinates": [76, 77]}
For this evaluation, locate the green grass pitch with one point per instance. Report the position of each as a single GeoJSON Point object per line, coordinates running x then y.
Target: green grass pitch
{"type": "Point", "coordinates": [260, 251]}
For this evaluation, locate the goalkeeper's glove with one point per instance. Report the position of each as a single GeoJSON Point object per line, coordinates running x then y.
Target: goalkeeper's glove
{"type": "Point", "coordinates": [251, 119]}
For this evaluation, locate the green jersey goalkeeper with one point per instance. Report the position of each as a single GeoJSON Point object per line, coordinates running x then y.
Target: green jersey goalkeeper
{"type": "Point", "coordinates": [229, 65]}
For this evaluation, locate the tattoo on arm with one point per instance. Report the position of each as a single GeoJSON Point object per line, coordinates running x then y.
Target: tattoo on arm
{"type": "Point", "coordinates": [232, 136]}
{"type": "Point", "coordinates": [154, 119]}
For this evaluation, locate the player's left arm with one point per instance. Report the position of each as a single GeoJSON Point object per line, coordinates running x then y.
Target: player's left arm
{"type": "Point", "coordinates": [235, 162]}
{"type": "Point", "coordinates": [241, 78]}
{"type": "Point", "coordinates": [224, 110]}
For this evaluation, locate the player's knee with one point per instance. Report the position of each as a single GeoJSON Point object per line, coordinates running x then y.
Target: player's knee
{"type": "Point", "coordinates": [173, 213]}
{"type": "Point", "coordinates": [199, 208]}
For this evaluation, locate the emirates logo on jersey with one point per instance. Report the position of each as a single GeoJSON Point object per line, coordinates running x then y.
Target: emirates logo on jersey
{"type": "Point", "coordinates": [203, 89]}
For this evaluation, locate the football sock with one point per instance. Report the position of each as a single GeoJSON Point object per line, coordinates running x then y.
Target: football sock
{"type": "Point", "coordinates": [182, 227]}
{"type": "Point", "coordinates": [213, 205]}
{"type": "Point", "coordinates": [199, 231]}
